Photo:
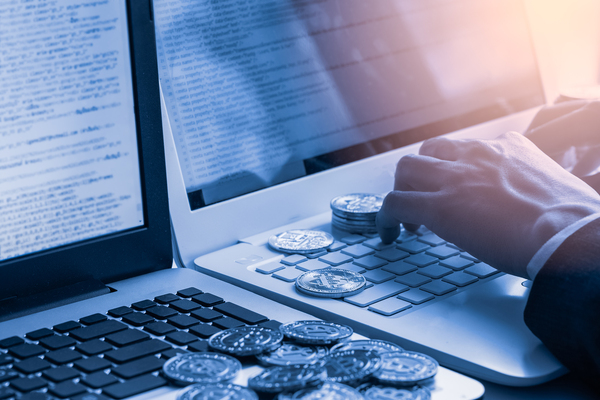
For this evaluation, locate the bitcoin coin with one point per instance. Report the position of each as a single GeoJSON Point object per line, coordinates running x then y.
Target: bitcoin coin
{"type": "Point", "coordinates": [316, 332]}
{"type": "Point", "coordinates": [354, 204]}
{"type": "Point", "coordinates": [301, 241]}
{"type": "Point", "coordinates": [293, 354]}
{"type": "Point", "coordinates": [351, 366]}
{"type": "Point", "coordinates": [288, 378]}
{"type": "Point", "coordinates": [374, 392]}
{"type": "Point", "coordinates": [378, 346]}
{"type": "Point", "coordinates": [185, 369]}
{"type": "Point", "coordinates": [331, 282]}
{"type": "Point", "coordinates": [405, 368]}
{"type": "Point", "coordinates": [246, 340]}
{"type": "Point", "coordinates": [328, 391]}
{"type": "Point", "coordinates": [217, 391]}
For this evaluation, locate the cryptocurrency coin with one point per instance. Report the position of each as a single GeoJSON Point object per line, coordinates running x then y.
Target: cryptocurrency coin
{"type": "Point", "coordinates": [316, 332]}
{"type": "Point", "coordinates": [354, 204]}
{"type": "Point", "coordinates": [374, 392]}
{"type": "Point", "coordinates": [301, 241]}
{"type": "Point", "coordinates": [288, 378]}
{"type": "Point", "coordinates": [378, 346]}
{"type": "Point", "coordinates": [405, 368]}
{"type": "Point", "coordinates": [188, 368]}
{"type": "Point", "coordinates": [246, 340]}
{"type": "Point", "coordinates": [327, 391]}
{"type": "Point", "coordinates": [293, 354]}
{"type": "Point", "coordinates": [351, 366]}
{"type": "Point", "coordinates": [331, 282]}
{"type": "Point", "coordinates": [217, 391]}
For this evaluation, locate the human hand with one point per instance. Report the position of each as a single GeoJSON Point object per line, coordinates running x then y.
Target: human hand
{"type": "Point", "coordinates": [499, 199]}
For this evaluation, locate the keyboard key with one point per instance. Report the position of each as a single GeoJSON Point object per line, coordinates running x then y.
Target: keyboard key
{"type": "Point", "coordinates": [127, 337]}
{"type": "Point", "coordinates": [11, 341]}
{"type": "Point", "coordinates": [134, 386]}
{"type": "Point", "coordinates": [165, 355]}
{"type": "Point", "coordinates": [7, 374]}
{"type": "Point", "coordinates": [438, 288]}
{"type": "Point", "coordinates": [390, 306]}
{"type": "Point", "coordinates": [352, 267]}
{"type": "Point", "coordinates": [182, 321]}
{"type": "Point", "coordinates": [5, 359]}
{"type": "Point", "coordinates": [435, 271]}
{"type": "Point", "coordinates": [316, 254]}
{"type": "Point", "coordinates": [413, 279]}
{"type": "Point", "coordinates": [26, 350]}
{"type": "Point", "coordinates": [199, 346]}
{"type": "Point", "coordinates": [32, 365]}
{"type": "Point", "coordinates": [204, 330]}
{"type": "Point", "coordinates": [442, 252]}
{"type": "Point", "coordinates": [99, 380]}
{"type": "Point", "coordinates": [159, 328]}
{"type": "Point", "coordinates": [227, 323]}
{"type": "Point", "coordinates": [92, 364]}
{"type": "Point", "coordinates": [312, 265]}
{"type": "Point", "coordinates": [376, 293]}
{"type": "Point", "coordinates": [162, 312]}
{"type": "Point", "coordinates": [184, 306]}
{"type": "Point", "coordinates": [358, 251]}
{"type": "Point", "coordinates": [238, 312]}
{"type": "Point", "coordinates": [421, 260]}
{"type": "Point", "coordinates": [431, 239]}
{"type": "Point", "coordinates": [66, 390]}
{"type": "Point", "coordinates": [337, 246]}
{"type": "Point", "coordinates": [40, 333]}
{"type": "Point", "coordinates": [413, 246]}
{"type": "Point", "coordinates": [370, 262]}
{"type": "Point", "coordinates": [139, 367]}
{"type": "Point", "coordinates": [97, 330]}
{"type": "Point", "coordinates": [399, 268]}
{"type": "Point", "coordinates": [416, 296]}
{"type": "Point", "coordinates": [138, 350]}
{"type": "Point", "coordinates": [481, 270]}
{"type": "Point", "coordinates": [206, 315]}
{"type": "Point", "coordinates": [456, 263]}
{"type": "Point", "coordinates": [376, 244]}
{"type": "Point", "coordinates": [93, 319]}
{"type": "Point", "coordinates": [270, 268]}
{"type": "Point", "coordinates": [378, 276]}
{"type": "Point", "coordinates": [207, 299]}
{"type": "Point", "coordinates": [63, 356]}
{"type": "Point", "coordinates": [137, 319]}
{"type": "Point", "coordinates": [143, 305]}
{"type": "Point", "coordinates": [90, 396]}
{"type": "Point", "coordinates": [166, 298]}
{"type": "Point", "coordinates": [28, 384]}
{"type": "Point", "coordinates": [57, 342]}
{"type": "Point", "coordinates": [460, 279]}
{"type": "Point", "coordinates": [7, 393]}
{"type": "Point", "coordinates": [353, 239]}
{"type": "Point", "coordinates": [93, 347]}
{"type": "Point", "coordinates": [406, 236]}
{"type": "Point", "coordinates": [288, 274]}
{"type": "Point", "coordinates": [466, 255]}
{"type": "Point", "coordinates": [293, 259]}
{"type": "Point", "coordinates": [119, 311]}
{"type": "Point", "coordinates": [60, 374]}
{"type": "Point", "coordinates": [392, 254]}
{"type": "Point", "coordinates": [189, 292]}
{"type": "Point", "coordinates": [180, 338]}
{"type": "Point", "coordinates": [335, 259]}
{"type": "Point", "coordinates": [66, 326]}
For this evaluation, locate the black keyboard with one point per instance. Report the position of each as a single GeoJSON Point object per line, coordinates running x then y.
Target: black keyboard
{"type": "Point", "coordinates": [118, 354]}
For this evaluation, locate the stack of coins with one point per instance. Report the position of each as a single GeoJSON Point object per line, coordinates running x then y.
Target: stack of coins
{"type": "Point", "coordinates": [355, 213]}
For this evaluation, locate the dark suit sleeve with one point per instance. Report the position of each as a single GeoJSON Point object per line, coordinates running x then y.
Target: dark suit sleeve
{"type": "Point", "coordinates": [563, 309]}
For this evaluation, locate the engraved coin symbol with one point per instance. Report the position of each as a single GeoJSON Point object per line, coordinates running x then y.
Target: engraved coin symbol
{"type": "Point", "coordinates": [377, 393]}
{"type": "Point", "coordinates": [405, 366]}
{"type": "Point", "coordinates": [204, 367]}
{"type": "Point", "coordinates": [319, 330]}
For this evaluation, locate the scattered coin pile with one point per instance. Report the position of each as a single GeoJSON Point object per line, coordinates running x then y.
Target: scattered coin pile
{"type": "Point", "coordinates": [302, 360]}
{"type": "Point", "coordinates": [355, 212]}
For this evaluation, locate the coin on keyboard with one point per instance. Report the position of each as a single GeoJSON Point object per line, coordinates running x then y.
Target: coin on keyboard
{"type": "Point", "coordinates": [301, 241]}
{"type": "Point", "coordinates": [357, 205]}
{"type": "Point", "coordinates": [378, 346]}
{"type": "Point", "coordinates": [288, 378]}
{"type": "Point", "coordinates": [316, 332]}
{"type": "Point", "coordinates": [331, 282]}
{"type": "Point", "coordinates": [188, 368]}
{"type": "Point", "coordinates": [328, 390]}
{"type": "Point", "coordinates": [351, 366]}
{"type": "Point", "coordinates": [375, 392]}
{"type": "Point", "coordinates": [246, 340]}
{"type": "Point", "coordinates": [217, 391]}
{"type": "Point", "coordinates": [405, 368]}
{"type": "Point", "coordinates": [293, 354]}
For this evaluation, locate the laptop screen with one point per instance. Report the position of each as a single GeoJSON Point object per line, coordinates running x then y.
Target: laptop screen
{"type": "Point", "coordinates": [260, 93]}
{"type": "Point", "coordinates": [69, 150]}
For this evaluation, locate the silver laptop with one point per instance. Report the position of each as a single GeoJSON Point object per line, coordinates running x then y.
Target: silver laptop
{"type": "Point", "coordinates": [275, 108]}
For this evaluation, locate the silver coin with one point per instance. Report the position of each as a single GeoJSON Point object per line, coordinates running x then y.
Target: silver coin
{"type": "Point", "coordinates": [288, 378]}
{"type": "Point", "coordinates": [328, 391]}
{"type": "Point", "coordinates": [246, 340]}
{"type": "Point", "coordinates": [217, 391]}
{"type": "Point", "coordinates": [293, 354]}
{"type": "Point", "coordinates": [188, 368]}
{"type": "Point", "coordinates": [348, 221]}
{"type": "Point", "coordinates": [374, 392]}
{"type": "Point", "coordinates": [352, 366]}
{"type": "Point", "coordinates": [366, 218]}
{"type": "Point", "coordinates": [301, 241]}
{"type": "Point", "coordinates": [316, 332]}
{"type": "Point", "coordinates": [354, 229]}
{"type": "Point", "coordinates": [331, 282]}
{"type": "Point", "coordinates": [378, 346]}
{"type": "Point", "coordinates": [357, 203]}
{"type": "Point", "coordinates": [405, 368]}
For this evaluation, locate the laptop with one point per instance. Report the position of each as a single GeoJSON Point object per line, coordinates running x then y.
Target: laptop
{"type": "Point", "coordinates": [90, 304]}
{"type": "Point", "coordinates": [274, 109]}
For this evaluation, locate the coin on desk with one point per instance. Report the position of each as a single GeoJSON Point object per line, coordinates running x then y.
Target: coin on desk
{"type": "Point", "coordinates": [405, 368]}
{"type": "Point", "coordinates": [217, 391]}
{"type": "Point", "coordinates": [288, 378]}
{"type": "Point", "coordinates": [301, 241]}
{"type": "Point", "coordinates": [331, 282]}
{"type": "Point", "coordinates": [246, 340]}
{"type": "Point", "coordinates": [188, 368]}
{"type": "Point", "coordinates": [357, 205]}
{"type": "Point", "coordinates": [376, 392]}
{"type": "Point", "coordinates": [352, 366]}
{"type": "Point", "coordinates": [316, 332]}
{"type": "Point", "coordinates": [293, 354]}
{"type": "Point", "coordinates": [328, 390]}
{"type": "Point", "coordinates": [378, 346]}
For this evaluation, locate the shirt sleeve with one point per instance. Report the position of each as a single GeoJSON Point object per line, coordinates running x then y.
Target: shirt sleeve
{"type": "Point", "coordinates": [539, 259]}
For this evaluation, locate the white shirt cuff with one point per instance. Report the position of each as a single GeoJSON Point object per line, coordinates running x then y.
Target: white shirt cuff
{"type": "Point", "coordinates": [543, 254]}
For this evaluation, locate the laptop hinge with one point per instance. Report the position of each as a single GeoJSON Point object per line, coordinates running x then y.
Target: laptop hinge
{"type": "Point", "coordinates": [14, 307]}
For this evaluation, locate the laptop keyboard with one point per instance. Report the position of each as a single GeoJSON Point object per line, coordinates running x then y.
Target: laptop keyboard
{"type": "Point", "coordinates": [118, 354]}
{"type": "Point", "coordinates": [410, 273]}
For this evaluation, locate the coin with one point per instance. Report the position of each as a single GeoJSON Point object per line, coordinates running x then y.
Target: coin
{"type": "Point", "coordinates": [331, 282]}
{"type": "Point", "coordinates": [374, 392]}
{"type": "Point", "coordinates": [288, 378]}
{"type": "Point", "coordinates": [301, 241]}
{"type": "Point", "coordinates": [351, 366]}
{"type": "Point", "coordinates": [293, 354]}
{"type": "Point", "coordinates": [316, 332]}
{"type": "Point", "coordinates": [327, 391]}
{"type": "Point", "coordinates": [405, 368]}
{"type": "Point", "coordinates": [379, 346]}
{"type": "Point", "coordinates": [246, 340]}
{"type": "Point", "coordinates": [357, 203]}
{"type": "Point", "coordinates": [217, 391]}
{"type": "Point", "coordinates": [207, 367]}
